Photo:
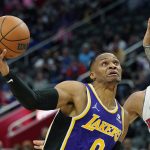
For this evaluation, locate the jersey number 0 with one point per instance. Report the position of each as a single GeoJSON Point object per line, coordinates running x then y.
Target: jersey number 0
{"type": "Point", "coordinates": [100, 143]}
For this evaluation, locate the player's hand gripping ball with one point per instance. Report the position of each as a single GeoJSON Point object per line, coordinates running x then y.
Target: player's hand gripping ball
{"type": "Point", "coordinates": [14, 36]}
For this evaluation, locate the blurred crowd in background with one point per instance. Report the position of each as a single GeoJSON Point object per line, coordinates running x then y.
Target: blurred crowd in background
{"type": "Point", "coordinates": [73, 45]}
{"type": "Point", "coordinates": [27, 144]}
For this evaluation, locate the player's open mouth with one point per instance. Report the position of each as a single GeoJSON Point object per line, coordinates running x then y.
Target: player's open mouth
{"type": "Point", "coordinates": [113, 73]}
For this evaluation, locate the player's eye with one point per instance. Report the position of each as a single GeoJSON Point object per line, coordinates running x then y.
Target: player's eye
{"type": "Point", "coordinates": [104, 63]}
{"type": "Point", "coordinates": [116, 62]}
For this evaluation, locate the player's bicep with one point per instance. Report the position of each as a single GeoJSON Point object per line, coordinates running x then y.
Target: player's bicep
{"type": "Point", "coordinates": [68, 91]}
{"type": "Point", "coordinates": [130, 107]}
{"type": "Point", "coordinates": [64, 97]}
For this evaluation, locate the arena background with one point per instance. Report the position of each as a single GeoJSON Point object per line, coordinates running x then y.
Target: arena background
{"type": "Point", "coordinates": [65, 35]}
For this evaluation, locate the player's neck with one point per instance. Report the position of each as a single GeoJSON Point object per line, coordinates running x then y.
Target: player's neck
{"type": "Point", "coordinates": [106, 93]}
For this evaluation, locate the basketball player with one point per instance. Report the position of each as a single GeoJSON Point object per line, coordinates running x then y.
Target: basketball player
{"type": "Point", "coordinates": [138, 103]}
{"type": "Point", "coordinates": [89, 116]}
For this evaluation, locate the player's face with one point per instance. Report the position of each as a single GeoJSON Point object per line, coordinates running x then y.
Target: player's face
{"type": "Point", "coordinates": [107, 68]}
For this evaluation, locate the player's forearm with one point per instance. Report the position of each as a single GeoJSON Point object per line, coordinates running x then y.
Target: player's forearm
{"type": "Point", "coordinates": [42, 99]}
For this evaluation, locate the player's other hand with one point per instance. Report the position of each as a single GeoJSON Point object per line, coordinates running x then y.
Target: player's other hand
{"type": "Point", "coordinates": [4, 68]}
{"type": "Point", "coordinates": [38, 144]}
{"type": "Point", "coordinates": [146, 40]}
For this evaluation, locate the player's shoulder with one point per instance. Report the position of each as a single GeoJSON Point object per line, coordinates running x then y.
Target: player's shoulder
{"type": "Point", "coordinates": [135, 101]}
{"type": "Point", "coordinates": [134, 104]}
{"type": "Point", "coordinates": [71, 85]}
{"type": "Point", "coordinates": [138, 95]}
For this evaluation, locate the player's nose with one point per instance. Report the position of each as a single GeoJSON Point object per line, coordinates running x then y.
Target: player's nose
{"type": "Point", "coordinates": [112, 66]}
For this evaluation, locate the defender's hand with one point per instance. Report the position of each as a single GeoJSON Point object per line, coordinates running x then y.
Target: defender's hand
{"type": "Point", "coordinates": [146, 40]}
{"type": "Point", "coordinates": [38, 144]}
{"type": "Point", "coordinates": [4, 68]}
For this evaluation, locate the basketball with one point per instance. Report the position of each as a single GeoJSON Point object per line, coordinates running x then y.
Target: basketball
{"type": "Point", "coordinates": [14, 36]}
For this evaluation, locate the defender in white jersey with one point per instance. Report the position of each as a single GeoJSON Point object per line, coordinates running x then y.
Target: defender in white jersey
{"type": "Point", "coordinates": [138, 103]}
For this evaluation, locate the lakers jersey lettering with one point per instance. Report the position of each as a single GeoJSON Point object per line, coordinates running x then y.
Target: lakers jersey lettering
{"type": "Point", "coordinates": [97, 124]}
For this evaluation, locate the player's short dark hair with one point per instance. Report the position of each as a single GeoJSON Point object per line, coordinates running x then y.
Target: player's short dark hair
{"type": "Point", "coordinates": [94, 58]}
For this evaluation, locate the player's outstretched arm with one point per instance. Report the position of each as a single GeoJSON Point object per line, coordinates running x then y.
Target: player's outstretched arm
{"type": "Point", "coordinates": [28, 98]}
{"type": "Point", "coordinates": [50, 98]}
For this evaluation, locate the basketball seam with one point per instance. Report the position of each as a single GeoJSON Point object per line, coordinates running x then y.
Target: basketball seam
{"type": "Point", "coordinates": [10, 49]}
{"type": "Point", "coordinates": [1, 28]}
{"type": "Point", "coordinates": [16, 40]}
{"type": "Point", "coordinates": [3, 36]}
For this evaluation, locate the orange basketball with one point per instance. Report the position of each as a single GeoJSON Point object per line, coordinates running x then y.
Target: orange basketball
{"type": "Point", "coordinates": [14, 36]}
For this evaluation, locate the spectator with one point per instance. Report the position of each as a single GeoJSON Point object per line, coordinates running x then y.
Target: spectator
{"type": "Point", "coordinates": [63, 35]}
{"type": "Point", "coordinates": [127, 144]}
{"type": "Point", "coordinates": [76, 69]}
{"type": "Point", "coordinates": [120, 54]}
{"type": "Point", "coordinates": [40, 81]}
{"type": "Point", "coordinates": [27, 145]}
{"type": "Point", "coordinates": [17, 146]}
{"type": "Point", "coordinates": [86, 55]}
{"type": "Point", "coordinates": [66, 57]}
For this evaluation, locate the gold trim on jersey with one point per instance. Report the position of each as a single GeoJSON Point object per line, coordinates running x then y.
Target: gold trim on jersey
{"type": "Point", "coordinates": [50, 129]}
{"type": "Point", "coordinates": [122, 112]}
{"type": "Point", "coordinates": [74, 119]}
{"type": "Point", "coordinates": [110, 111]}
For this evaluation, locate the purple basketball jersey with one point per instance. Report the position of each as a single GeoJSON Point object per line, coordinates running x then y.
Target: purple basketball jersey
{"type": "Point", "coordinates": [96, 128]}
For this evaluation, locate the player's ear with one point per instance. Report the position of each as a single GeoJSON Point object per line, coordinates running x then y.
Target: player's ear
{"type": "Point", "coordinates": [92, 76]}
